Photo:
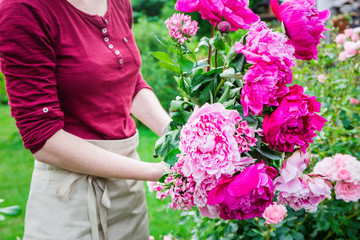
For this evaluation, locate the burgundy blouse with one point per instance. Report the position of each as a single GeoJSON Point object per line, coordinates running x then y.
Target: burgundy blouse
{"type": "Point", "coordinates": [66, 69]}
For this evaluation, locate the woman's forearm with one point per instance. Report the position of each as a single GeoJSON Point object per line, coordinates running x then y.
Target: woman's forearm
{"type": "Point", "coordinates": [147, 109]}
{"type": "Point", "coordinates": [67, 151]}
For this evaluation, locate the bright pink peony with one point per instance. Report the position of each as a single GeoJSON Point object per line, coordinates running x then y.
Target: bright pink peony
{"type": "Point", "coordinates": [341, 167]}
{"type": "Point", "coordinates": [262, 44]}
{"type": "Point", "coordinates": [236, 12]}
{"type": "Point", "coordinates": [212, 140]}
{"type": "Point", "coordinates": [245, 195]}
{"type": "Point", "coordinates": [181, 28]}
{"type": "Point", "coordinates": [274, 213]}
{"type": "Point", "coordinates": [294, 122]}
{"type": "Point", "coordinates": [265, 83]}
{"type": "Point", "coordinates": [349, 192]}
{"type": "Point", "coordinates": [304, 25]}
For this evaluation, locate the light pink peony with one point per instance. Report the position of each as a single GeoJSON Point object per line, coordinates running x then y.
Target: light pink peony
{"type": "Point", "coordinates": [350, 49]}
{"type": "Point", "coordinates": [355, 37]}
{"type": "Point", "coordinates": [347, 191]}
{"type": "Point", "coordinates": [246, 195]}
{"type": "Point", "coordinates": [181, 28]}
{"type": "Point", "coordinates": [340, 38]}
{"type": "Point", "coordinates": [354, 101]}
{"type": "Point", "coordinates": [348, 32]}
{"type": "Point", "coordinates": [303, 192]}
{"type": "Point", "coordinates": [274, 213]}
{"type": "Point", "coordinates": [342, 56]}
{"type": "Point", "coordinates": [304, 25]}
{"type": "Point", "coordinates": [299, 190]}
{"type": "Point", "coordinates": [236, 12]}
{"type": "Point", "coordinates": [212, 140]}
{"type": "Point", "coordinates": [321, 78]}
{"type": "Point", "coordinates": [341, 167]}
{"type": "Point", "coordinates": [294, 122]}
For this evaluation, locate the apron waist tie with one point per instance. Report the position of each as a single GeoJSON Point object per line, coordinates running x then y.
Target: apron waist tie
{"type": "Point", "coordinates": [98, 200]}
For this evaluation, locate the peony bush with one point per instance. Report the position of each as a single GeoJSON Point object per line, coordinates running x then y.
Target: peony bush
{"type": "Point", "coordinates": [248, 152]}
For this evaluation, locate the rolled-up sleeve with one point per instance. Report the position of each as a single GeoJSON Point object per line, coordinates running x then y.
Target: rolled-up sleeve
{"type": "Point", "coordinates": [28, 62]}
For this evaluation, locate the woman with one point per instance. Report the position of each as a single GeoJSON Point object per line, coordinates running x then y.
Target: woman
{"type": "Point", "coordinates": [72, 75]}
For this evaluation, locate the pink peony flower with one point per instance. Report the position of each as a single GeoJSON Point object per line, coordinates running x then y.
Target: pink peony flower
{"type": "Point", "coordinates": [236, 12]}
{"type": "Point", "coordinates": [340, 38]}
{"type": "Point", "coordinates": [274, 213]}
{"type": "Point", "coordinates": [262, 44]}
{"type": "Point", "coordinates": [321, 78]}
{"type": "Point", "coordinates": [348, 32]}
{"type": "Point", "coordinates": [294, 165]}
{"type": "Point", "coordinates": [294, 122]}
{"type": "Point", "coordinates": [151, 238]}
{"type": "Point", "coordinates": [213, 139]}
{"type": "Point", "coordinates": [304, 25]}
{"type": "Point", "coordinates": [355, 37]}
{"type": "Point", "coordinates": [354, 101]}
{"type": "Point", "coordinates": [181, 28]}
{"type": "Point", "coordinates": [245, 195]}
{"type": "Point", "coordinates": [302, 192]}
{"type": "Point", "coordinates": [350, 49]}
{"type": "Point", "coordinates": [342, 56]}
{"type": "Point", "coordinates": [347, 191]}
{"type": "Point", "coordinates": [341, 167]}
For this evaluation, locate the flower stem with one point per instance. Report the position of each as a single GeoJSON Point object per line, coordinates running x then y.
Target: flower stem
{"type": "Point", "coordinates": [219, 87]}
{"type": "Point", "coordinates": [210, 50]}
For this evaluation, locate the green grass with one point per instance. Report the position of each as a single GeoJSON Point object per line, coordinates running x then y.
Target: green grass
{"type": "Point", "coordinates": [16, 165]}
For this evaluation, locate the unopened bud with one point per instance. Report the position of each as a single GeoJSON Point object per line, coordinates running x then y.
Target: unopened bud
{"type": "Point", "coordinates": [224, 27]}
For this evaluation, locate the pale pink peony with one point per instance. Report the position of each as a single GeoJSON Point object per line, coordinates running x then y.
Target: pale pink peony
{"type": "Point", "coordinates": [321, 78]}
{"type": "Point", "coordinates": [341, 167]}
{"type": "Point", "coordinates": [294, 165]}
{"type": "Point", "coordinates": [350, 49]}
{"type": "Point", "coordinates": [340, 38]}
{"type": "Point", "coordinates": [245, 195]}
{"type": "Point", "coordinates": [236, 12]}
{"type": "Point", "coordinates": [347, 191]}
{"type": "Point", "coordinates": [294, 122]}
{"type": "Point", "coordinates": [151, 238]}
{"type": "Point", "coordinates": [355, 37]}
{"type": "Point", "coordinates": [348, 32]}
{"type": "Point", "coordinates": [354, 101]}
{"type": "Point", "coordinates": [274, 213]}
{"type": "Point", "coordinates": [181, 28]}
{"type": "Point", "coordinates": [212, 140]}
{"type": "Point", "coordinates": [304, 25]}
{"type": "Point", "coordinates": [302, 192]}
{"type": "Point", "coordinates": [342, 56]}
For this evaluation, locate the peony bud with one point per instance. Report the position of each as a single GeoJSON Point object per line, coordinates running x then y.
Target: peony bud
{"type": "Point", "coordinates": [224, 27]}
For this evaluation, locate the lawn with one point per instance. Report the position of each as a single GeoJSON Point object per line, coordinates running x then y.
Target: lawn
{"type": "Point", "coordinates": [15, 174]}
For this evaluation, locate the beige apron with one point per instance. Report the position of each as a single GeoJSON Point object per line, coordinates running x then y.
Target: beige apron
{"type": "Point", "coordinates": [68, 206]}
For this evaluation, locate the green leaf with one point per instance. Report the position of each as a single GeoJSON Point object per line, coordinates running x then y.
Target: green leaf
{"type": "Point", "coordinates": [186, 65]}
{"type": "Point", "coordinates": [204, 41]}
{"type": "Point", "coordinates": [11, 211]}
{"type": "Point", "coordinates": [269, 153]}
{"type": "Point", "coordinates": [297, 235]}
{"type": "Point", "coordinates": [164, 57]}
{"type": "Point", "coordinates": [170, 67]}
{"type": "Point", "coordinates": [200, 64]}
{"type": "Point", "coordinates": [171, 157]}
{"type": "Point", "coordinates": [219, 43]}
{"type": "Point", "coordinates": [167, 143]}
